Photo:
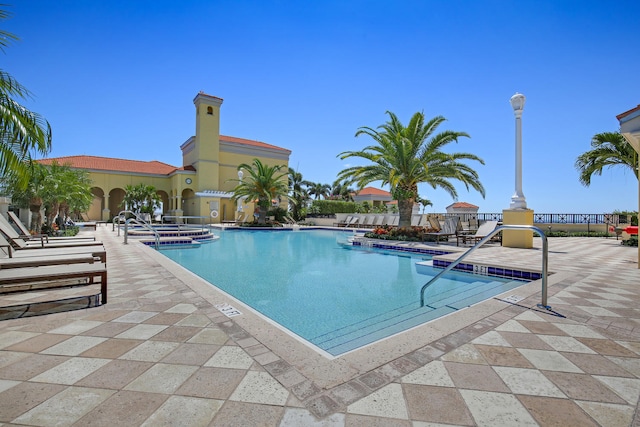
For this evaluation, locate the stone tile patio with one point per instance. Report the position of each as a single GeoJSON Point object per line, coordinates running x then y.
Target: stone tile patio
{"type": "Point", "coordinates": [161, 353]}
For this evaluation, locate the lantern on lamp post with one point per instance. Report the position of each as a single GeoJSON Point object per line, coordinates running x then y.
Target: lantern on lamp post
{"type": "Point", "coordinates": [518, 200]}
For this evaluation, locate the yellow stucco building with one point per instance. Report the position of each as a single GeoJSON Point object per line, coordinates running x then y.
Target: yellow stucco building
{"type": "Point", "coordinates": [201, 187]}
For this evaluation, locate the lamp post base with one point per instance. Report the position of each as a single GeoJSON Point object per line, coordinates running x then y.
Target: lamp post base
{"type": "Point", "coordinates": [517, 238]}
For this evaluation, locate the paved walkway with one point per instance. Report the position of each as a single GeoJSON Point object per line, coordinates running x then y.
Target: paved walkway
{"type": "Point", "coordinates": [161, 353]}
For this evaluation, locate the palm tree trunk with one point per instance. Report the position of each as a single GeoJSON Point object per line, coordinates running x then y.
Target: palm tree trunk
{"type": "Point", "coordinates": [405, 209]}
{"type": "Point", "coordinates": [36, 220]}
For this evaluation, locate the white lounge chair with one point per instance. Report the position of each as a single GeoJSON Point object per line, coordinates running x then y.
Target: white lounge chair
{"type": "Point", "coordinates": [25, 233]}
{"type": "Point", "coordinates": [483, 231]}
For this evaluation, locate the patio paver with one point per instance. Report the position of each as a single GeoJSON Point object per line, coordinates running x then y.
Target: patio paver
{"type": "Point", "coordinates": [160, 351]}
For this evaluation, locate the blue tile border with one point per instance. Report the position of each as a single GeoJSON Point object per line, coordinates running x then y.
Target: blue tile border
{"type": "Point", "coordinates": [491, 271]}
{"type": "Point", "coordinates": [480, 269]}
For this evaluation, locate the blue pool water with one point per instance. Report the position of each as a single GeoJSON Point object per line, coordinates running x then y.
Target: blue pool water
{"type": "Point", "coordinates": [336, 297]}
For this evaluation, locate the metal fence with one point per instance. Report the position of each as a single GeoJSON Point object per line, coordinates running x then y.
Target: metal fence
{"type": "Point", "coordinates": [547, 218]}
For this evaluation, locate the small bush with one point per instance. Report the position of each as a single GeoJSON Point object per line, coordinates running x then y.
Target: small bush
{"type": "Point", "coordinates": [633, 241]}
{"type": "Point", "coordinates": [403, 234]}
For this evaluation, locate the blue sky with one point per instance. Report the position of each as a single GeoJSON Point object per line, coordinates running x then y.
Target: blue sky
{"type": "Point", "coordinates": [117, 79]}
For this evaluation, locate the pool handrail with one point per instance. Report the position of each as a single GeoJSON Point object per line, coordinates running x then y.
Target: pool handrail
{"type": "Point", "coordinates": [545, 258]}
{"type": "Point", "coordinates": [137, 220]}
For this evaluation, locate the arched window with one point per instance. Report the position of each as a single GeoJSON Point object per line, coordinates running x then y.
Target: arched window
{"type": "Point", "coordinates": [210, 110]}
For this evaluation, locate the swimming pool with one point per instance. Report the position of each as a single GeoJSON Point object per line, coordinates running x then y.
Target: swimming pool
{"type": "Point", "coordinates": [336, 297]}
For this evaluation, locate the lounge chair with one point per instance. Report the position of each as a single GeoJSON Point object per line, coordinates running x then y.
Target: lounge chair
{"type": "Point", "coordinates": [378, 221]}
{"type": "Point", "coordinates": [26, 233]}
{"type": "Point", "coordinates": [24, 242]}
{"type": "Point", "coordinates": [354, 222]}
{"type": "Point", "coordinates": [367, 222]}
{"type": "Point", "coordinates": [415, 220]}
{"type": "Point", "coordinates": [344, 223]}
{"type": "Point", "coordinates": [54, 276]}
{"type": "Point", "coordinates": [450, 228]}
{"type": "Point", "coordinates": [482, 232]}
{"type": "Point", "coordinates": [6, 249]}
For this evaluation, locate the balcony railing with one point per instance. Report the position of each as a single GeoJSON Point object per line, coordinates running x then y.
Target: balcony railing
{"type": "Point", "coordinates": [547, 218]}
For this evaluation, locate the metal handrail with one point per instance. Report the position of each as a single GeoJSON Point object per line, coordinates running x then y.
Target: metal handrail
{"type": "Point", "coordinates": [545, 258]}
{"type": "Point", "coordinates": [138, 220]}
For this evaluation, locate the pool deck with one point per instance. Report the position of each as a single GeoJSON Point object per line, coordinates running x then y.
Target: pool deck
{"type": "Point", "coordinates": [161, 353]}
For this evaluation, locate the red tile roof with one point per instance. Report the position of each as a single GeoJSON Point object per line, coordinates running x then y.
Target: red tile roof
{"type": "Point", "coordinates": [626, 113]}
{"type": "Point", "coordinates": [139, 166]}
{"type": "Point", "coordinates": [373, 192]}
{"type": "Point", "coordinates": [111, 164]}
{"type": "Point", "coordinates": [463, 205]}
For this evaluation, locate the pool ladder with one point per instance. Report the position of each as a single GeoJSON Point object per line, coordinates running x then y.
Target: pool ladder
{"type": "Point", "coordinates": [137, 220]}
{"type": "Point", "coordinates": [545, 258]}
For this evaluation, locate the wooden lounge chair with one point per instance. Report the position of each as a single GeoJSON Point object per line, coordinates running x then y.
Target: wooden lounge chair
{"type": "Point", "coordinates": [53, 276]}
{"type": "Point", "coordinates": [21, 262]}
{"type": "Point", "coordinates": [96, 251]}
{"type": "Point", "coordinates": [450, 228]}
{"type": "Point", "coordinates": [24, 231]}
{"type": "Point", "coordinates": [23, 242]}
{"type": "Point", "coordinates": [482, 232]}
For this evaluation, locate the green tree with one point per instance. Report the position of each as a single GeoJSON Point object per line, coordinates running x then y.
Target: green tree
{"type": "Point", "coordinates": [64, 189]}
{"type": "Point", "coordinates": [58, 188]}
{"type": "Point", "coordinates": [608, 149]}
{"type": "Point", "coordinates": [341, 190]}
{"type": "Point", "coordinates": [318, 190]}
{"type": "Point", "coordinates": [141, 198]}
{"type": "Point", "coordinates": [424, 203]}
{"type": "Point", "coordinates": [22, 132]}
{"type": "Point", "coordinates": [261, 183]}
{"type": "Point", "coordinates": [298, 194]}
{"type": "Point", "coordinates": [402, 157]}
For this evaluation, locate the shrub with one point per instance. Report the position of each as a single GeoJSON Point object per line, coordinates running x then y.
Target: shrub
{"type": "Point", "coordinates": [404, 234]}
{"type": "Point", "coordinates": [326, 207]}
{"type": "Point", "coordinates": [633, 241]}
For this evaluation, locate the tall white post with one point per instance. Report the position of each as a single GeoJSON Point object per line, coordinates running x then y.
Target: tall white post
{"type": "Point", "coordinates": [518, 200]}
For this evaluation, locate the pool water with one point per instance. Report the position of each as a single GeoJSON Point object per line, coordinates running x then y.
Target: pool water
{"type": "Point", "coordinates": [336, 297]}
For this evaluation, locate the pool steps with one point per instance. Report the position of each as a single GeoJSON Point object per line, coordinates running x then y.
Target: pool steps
{"type": "Point", "coordinates": [400, 319]}
{"type": "Point", "coordinates": [173, 235]}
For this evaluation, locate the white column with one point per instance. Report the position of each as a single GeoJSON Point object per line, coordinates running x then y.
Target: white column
{"type": "Point", "coordinates": [518, 200]}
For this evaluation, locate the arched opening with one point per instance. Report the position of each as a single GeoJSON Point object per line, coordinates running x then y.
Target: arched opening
{"type": "Point", "coordinates": [116, 196]}
{"type": "Point", "coordinates": [189, 203]}
{"type": "Point", "coordinates": [97, 205]}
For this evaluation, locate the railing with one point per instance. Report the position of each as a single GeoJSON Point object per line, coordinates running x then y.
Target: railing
{"type": "Point", "coordinates": [545, 257]}
{"type": "Point", "coordinates": [186, 219]}
{"type": "Point", "coordinates": [546, 218]}
{"type": "Point", "coordinates": [137, 220]}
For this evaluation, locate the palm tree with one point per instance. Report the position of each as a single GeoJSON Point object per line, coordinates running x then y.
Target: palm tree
{"type": "Point", "coordinates": [319, 190]}
{"type": "Point", "coordinates": [21, 131]}
{"type": "Point", "coordinates": [403, 157]}
{"type": "Point", "coordinates": [56, 187]}
{"type": "Point", "coordinates": [340, 190]}
{"type": "Point", "coordinates": [263, 184]}
{"type": "Point", "coordinates": [141, 198]}
{"type": "Point", "coordinates": [424, 203]}
{"type": "Point", "coordinates": [298, 195]}
{"type": "Point", "coordinates": [608, 149]}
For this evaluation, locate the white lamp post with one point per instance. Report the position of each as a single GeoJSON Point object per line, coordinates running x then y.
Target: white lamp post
{"type": "Point", "coordinates": [517, 200]}
{"type": "Point", "coordinates": [241, 199]}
